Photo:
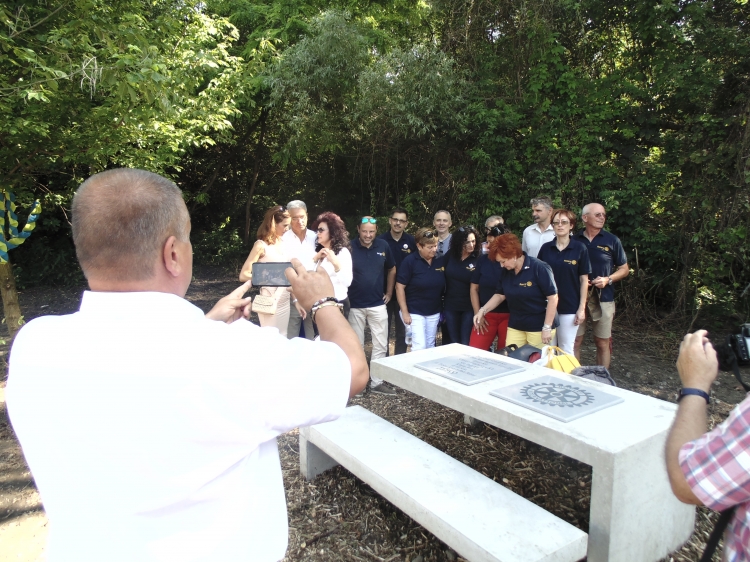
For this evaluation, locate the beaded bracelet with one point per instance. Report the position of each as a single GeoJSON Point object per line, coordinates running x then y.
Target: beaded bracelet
{"type": "Point", "coordinates": [317, 307]}
{"type": "Point", "coordinates": [324, 299]}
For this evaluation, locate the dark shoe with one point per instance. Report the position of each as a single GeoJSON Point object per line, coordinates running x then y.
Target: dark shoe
{"type": "Point", "coordinates": [383, 388]}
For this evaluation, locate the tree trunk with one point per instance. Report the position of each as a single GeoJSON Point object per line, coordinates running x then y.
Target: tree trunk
{"type": "Point", "coordinates": [256, 171]}
{"type": "Point", "coordinates": [10, 299]}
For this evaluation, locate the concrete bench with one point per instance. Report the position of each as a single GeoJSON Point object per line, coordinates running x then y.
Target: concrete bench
{"type": "Point", "coordinates": [478, 518]}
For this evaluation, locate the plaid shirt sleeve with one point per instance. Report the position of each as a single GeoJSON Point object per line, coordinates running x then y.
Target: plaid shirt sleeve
{"type": "Point", "coordinates": [717, 465]}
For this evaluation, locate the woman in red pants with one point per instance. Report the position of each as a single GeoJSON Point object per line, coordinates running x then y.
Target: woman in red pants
{"type": "Point", "coordinates": [483, 284]}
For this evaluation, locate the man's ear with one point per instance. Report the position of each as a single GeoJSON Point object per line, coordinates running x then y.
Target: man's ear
{"type": "Point", "coordinates": [171, 257]}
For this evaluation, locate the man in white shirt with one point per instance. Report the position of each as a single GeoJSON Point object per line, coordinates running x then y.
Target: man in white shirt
{"type": "Point", "coordinates": [299, 242]}
{"type": "Point", "coordinates": [150, 428]}
{"type": "Point", "coordinates": [541, 231]}
{"type": "Point", "coordinates": [442, 223]}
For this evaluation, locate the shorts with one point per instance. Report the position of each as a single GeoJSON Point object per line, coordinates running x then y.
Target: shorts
{"type": "Point", "coordinates": [601, 313]}
{"type": "Point", "coordinates": [521, 338]}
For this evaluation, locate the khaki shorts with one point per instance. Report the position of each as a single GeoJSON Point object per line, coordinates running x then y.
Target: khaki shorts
{"type": "Point", "coordinates": [601, 313]}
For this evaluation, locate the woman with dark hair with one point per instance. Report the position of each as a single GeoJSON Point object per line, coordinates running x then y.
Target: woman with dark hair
{"type": "Point", "coordinates": [333, 255]}
{"type": "Point", "coordinates": [269, 248]}
{"type": "Point", "coordinates": [529, 287]}
{"type": "Point", "coordinates": [483, 283]}
{"type": "Point", "coordinates": [459, 267]}
{"type": "Point", "coordinates": [420, 282]}
{"type": "Point", "coordinates": [569, 260]}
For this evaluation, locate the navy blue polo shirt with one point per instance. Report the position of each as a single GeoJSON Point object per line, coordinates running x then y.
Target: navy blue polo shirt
{"type": "Point", "coordinates": [487, 276]}
{"type": "Point", "coordinates": [567, 267]}
{"type": "Point", "coordinates": [369, 266]}
{"type": "Point", "coordinates": [527, 294]}
{"type": "Point", "coordinates": [458, 275]}
{"type": "Point", "coordinates": [400, 248]}
{"type": "Point", "coordinates": [606, 255]}
{"type": "Point", "coordinates": [424, 283]}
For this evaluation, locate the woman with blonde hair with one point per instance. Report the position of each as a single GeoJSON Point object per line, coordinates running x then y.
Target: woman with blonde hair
{"type": "Point", "coordinates": [269, 248]}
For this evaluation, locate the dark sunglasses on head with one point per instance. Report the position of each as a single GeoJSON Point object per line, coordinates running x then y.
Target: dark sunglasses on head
{"type": "Point", "coordinates": [495, 231]}
{"type": "Point", "coordinates": [431, 234]}
{"type": "Point", "coordinates": [371, 220]}
{"type": "Point", "coordinates": [282, 209]}
{"type": "Point", "coordinates": [466, 228]}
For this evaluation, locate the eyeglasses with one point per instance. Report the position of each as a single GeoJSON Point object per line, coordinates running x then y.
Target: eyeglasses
{"type": "Point", "coordinates": [396, 220]}
{"type": "Point", "coordinates": [560, 223]}
{"type": "Point", "coordinates": [321, 230]}
{"type": "Point", "coordinates": [495, 231]}
{"type": "Point", "coordinates": [282, 209]}
{"type": "Point", "coordinates": [466, 228]}
{"type": "Point", "coordinates": [430, 234]}
{"type": "Point", "coordinates": [598, 215]}
{"type": "Point", "coordinates": [371, 220]}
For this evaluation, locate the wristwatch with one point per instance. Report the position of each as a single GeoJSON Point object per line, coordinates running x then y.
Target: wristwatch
{"type": "Point", "coordinates": [609, 280]}
{"type": "Point", "coordinates": [694, 391]}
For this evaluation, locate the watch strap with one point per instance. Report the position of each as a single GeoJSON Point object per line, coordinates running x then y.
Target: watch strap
{"type": "Point", "coordinates": [695, 392]}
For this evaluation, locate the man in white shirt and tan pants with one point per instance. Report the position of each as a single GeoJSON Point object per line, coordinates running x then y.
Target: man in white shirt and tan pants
{"type": "Point", "coordinates": [150, 429]}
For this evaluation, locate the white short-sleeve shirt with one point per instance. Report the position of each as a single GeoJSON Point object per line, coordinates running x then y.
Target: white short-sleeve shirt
{"type": "Point", "coordinates": [341, 279]}
{"type": "Point", "coordinates": [151, 431]}
{"type": "Point", "coordinates": [303, 250]}
{"type": "Point", "coordinates": [534, 238]}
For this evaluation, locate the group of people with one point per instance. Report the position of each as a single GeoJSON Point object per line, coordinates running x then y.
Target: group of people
{"type": "Point", "coordinates": [498, 290]}
{"type": "Point", "coordinates": [150, 428]}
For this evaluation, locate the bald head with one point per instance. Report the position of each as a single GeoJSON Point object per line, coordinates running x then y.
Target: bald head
{"type": "Point", "coordinates": [121, 221]}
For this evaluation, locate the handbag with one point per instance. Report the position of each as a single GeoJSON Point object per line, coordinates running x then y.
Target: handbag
{"type": "Point", "coordinates": [527, 353]}
{"type": "Point", "coordinates": [558, 360]}
{"type": "Point", "coordinates": [267, 304]}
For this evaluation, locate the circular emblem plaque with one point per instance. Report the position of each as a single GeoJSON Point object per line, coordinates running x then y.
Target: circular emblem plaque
{"type": "Point", "coordinates": [554, 394]}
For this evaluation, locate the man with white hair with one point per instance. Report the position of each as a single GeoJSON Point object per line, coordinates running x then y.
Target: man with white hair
{"type": "Point", "coordinates": [150, 429]}
{"type": "Point", "coordinates": [299, 242]}
{"type": "Point", "coordinates": [609, 264]}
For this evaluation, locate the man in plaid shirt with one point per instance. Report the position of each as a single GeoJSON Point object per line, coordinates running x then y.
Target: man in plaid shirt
{"type": "Point", "coordinates": [711, 469]}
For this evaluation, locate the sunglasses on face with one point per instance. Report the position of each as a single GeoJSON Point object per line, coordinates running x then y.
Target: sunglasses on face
{"type": "Point", "coordinates": [321, 230]}
{"type": "Point", "coordinates": [371, 220]}
{"type": "Point", "coordinates": [560, 223]}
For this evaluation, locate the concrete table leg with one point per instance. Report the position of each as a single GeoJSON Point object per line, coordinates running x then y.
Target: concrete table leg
{"type": "Point", "coordinates": [312, 460]}
{"type": "Point", "coordinates": [634, 515]}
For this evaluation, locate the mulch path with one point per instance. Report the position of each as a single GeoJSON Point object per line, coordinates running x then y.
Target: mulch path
{"type": "Point", "coordinates": [337, 516]}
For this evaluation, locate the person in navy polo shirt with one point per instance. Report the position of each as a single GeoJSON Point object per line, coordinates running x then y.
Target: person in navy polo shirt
{"type": "Point", "coordinates": [529, 287]}
{"type": "Point", "coordinates": [373, 267]}
{"type": "Point", "coordinates": [420, 283]}
{"type": "Point", "coordinates": [459, 268]}
{"type": "Point", "coordinates": [569, 260]}
{"type": "Point", "coordinates": [483, 284]}
{"type": "Point", "coordinates": [608, 265]}
{"type": "Point", "coordinates": [401, 244]}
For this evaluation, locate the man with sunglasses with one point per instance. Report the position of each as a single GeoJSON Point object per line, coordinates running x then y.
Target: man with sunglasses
{"type": "Point", "coordinates": [608, 265]}
{"type": "Point", "coordinates": [373, 270]}
{"type": "Point", "coordinates": [299, 242]}
{"type": "Point", "coordinates": [401, 244]}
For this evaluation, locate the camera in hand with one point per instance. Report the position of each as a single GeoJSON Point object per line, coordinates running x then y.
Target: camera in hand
{"type": "Point", "coordinates": [741, 344]}
{"type": "Point", "coordinates": [271, 274]}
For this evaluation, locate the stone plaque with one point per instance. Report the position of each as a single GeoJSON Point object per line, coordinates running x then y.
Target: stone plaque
{"type": "Point", "coordinates": [469, 369]}
{"type": "Point", "coordinates": [558, 398]}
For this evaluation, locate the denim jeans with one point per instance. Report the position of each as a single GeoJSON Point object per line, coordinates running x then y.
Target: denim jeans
{"type": "Point", "coordinates": [459, 324]}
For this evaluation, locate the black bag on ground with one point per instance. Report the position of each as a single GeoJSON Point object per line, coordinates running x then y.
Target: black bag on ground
{"type": "Point", "coordinates": [594, 373]}
{"type": "Point", "coordinates": [732, 354]}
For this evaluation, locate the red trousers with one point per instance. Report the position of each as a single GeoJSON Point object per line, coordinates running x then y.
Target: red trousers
{"type": "Point", "coordinates": [497, 325]}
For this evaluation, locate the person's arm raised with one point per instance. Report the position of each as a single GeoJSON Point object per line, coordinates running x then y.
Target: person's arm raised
{"type": "Point", "coordinates": [311, 286]}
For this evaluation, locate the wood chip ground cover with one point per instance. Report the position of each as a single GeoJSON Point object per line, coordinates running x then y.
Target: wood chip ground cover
{"type": "Point", "coordinates": [337, 516]}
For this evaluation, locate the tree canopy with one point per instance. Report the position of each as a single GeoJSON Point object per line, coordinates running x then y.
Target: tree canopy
{"type": "Point", "coordinates": [356, 107]}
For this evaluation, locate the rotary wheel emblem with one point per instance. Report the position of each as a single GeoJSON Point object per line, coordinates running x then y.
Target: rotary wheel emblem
{"type": "Point", "coordinates": [554, 394]}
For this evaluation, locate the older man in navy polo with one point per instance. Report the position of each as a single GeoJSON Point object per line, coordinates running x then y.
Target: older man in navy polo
{"type": "Point", "coordinates": [373, 268]}
{"type": "Point", "coordinates": [608, 265]}
{"type": "Point", "coordinates": [402, 244]}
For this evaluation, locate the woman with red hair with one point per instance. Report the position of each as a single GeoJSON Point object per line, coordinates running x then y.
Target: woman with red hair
{"type": "Point", "coordinates": [333, 255]}
{"type": "Point", "coordinates": [529, 287]}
